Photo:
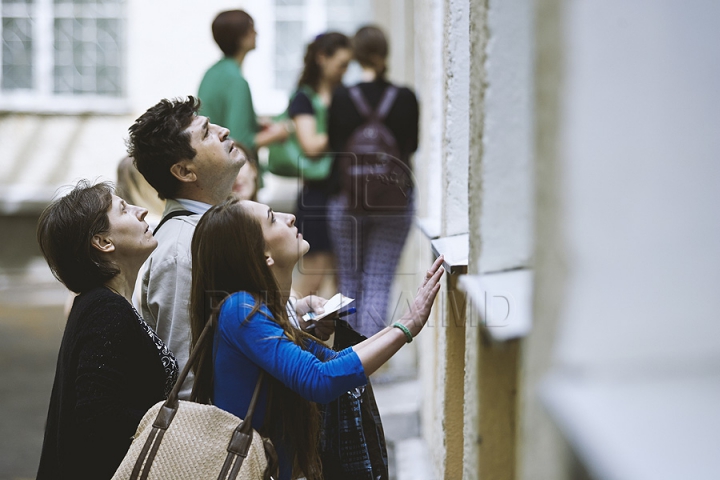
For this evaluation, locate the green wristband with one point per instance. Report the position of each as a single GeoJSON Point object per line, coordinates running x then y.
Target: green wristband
{"type": "Point", "coordinates": [405, 330]}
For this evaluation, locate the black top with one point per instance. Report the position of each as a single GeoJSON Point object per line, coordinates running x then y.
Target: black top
{"type": "Point", "coordinates": [343, 117]}
{"type": "Point", "coordinates": [300, 104]}
{"type": "Point", "coordinates": [109, 373]}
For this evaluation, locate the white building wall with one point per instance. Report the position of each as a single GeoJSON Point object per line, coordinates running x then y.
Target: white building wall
{"type": "Point", "coordinates": [456, 57]}
{"type": "Point", "coordinates": [429, 74]}
{"type": "Point", "coordinates": [505, 229]}
{"type": "Point", "coordinates": [636, 384]}
{"type": "Point", "coordinates": [641, 150]}
{"type": "Point", "coordinates": [170, 46]}
{"type": "Point", "coordinates": [543, 453]}
{"type": "Point", "coordinates": [426, 167]}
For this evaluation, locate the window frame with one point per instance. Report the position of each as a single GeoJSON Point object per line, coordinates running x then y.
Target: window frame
{"type": "Point", "coordinates": [41, 98]}
{"type": "Point", "coordinates": [268, 96]}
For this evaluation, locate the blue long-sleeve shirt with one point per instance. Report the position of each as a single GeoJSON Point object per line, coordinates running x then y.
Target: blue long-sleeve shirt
{"type": "Point", "coordinates": [241, 348]}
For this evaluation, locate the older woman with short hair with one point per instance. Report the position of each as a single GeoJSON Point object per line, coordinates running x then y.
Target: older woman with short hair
{"type": "Point", "coordinates": [111, 367]}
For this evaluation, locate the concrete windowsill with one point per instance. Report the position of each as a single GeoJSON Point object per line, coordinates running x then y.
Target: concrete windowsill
{"type": "Point", "coordinates": [639, 429]}
{"type": "Point", "coordinates": [502, 302]}
{"type": "Point", "coordinates": [455, 249]}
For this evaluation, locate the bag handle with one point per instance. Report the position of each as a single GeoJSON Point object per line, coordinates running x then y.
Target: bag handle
{"type": "Point", "coordinates": [239, 443]}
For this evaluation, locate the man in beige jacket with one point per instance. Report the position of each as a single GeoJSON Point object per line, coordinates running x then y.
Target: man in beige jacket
{"type": "Point", "coordinates": [192, 163]}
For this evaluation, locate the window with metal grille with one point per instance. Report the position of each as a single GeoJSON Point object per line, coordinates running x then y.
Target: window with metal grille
{"type": "Point", "coordinates": [62, 55]}
{"type": "Point", "coordinates": [296, 23]}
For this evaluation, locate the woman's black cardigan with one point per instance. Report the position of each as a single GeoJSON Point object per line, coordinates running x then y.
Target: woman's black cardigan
{"type": "Point", "coordinates": [109, 373]}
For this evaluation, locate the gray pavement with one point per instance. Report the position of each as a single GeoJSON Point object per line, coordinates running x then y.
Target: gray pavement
{"type": "Point", "coordinates": [29, 341]}
{"type": "Point", "coordinates": [31, 325]}
{"type": "Point", "coordinates": [399, 406]}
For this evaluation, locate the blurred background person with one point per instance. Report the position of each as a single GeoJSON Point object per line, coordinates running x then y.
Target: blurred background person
{"type": "Point", "coordinates": [368, 250]}
{"type": "Point", "coordinates": [133, 187]}
{"type": "Point", "coordinates": [247, 183]}
{"type": "Point", "coordinates": [224, 91]}
{"type": "Point", "coordinates": [111, 367]}
{"type": "Point", "coordinates": [326, 61]}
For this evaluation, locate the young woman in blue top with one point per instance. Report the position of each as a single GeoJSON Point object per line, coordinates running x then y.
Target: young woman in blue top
{"type": "Point", "coordinates": [243, 255]}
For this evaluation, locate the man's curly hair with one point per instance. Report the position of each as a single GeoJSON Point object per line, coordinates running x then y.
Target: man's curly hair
{"type": "Point", "coordinates": [158, 140]}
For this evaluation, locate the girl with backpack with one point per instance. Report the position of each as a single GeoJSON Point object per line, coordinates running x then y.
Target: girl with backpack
{"type": "Point", "coordinates": [371, 210]}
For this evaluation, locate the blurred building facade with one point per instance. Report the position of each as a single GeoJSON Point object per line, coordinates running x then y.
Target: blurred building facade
{"type": "Point", "coordinates": [75, 74]}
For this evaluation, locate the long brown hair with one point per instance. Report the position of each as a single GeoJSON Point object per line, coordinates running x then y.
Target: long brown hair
{"type": "Point", "coordinates": [228, 255]}
{"type": "Point", "coordinates": [326, 44]}
{"type": "Point", "coordinates": [370, 47]}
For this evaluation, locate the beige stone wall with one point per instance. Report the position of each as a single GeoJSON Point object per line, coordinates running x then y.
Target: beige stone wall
{"type": "Point", "coordinates": [543, 454]}
{"type": "Point", "coordinates": [478, 38]}
{"type": "Point", "coordinates": [428, 80]}
{"type": "Point", "coordinates": [515, 152]}
{"type": "Point", "coordinates": [486, 188]}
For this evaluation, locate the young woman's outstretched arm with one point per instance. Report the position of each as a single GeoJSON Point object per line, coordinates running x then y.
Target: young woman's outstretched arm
{"type": "Point", "coordinates": [378, 349]}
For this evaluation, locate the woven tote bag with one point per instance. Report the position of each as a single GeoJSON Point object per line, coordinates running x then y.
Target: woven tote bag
{"type": "Point", "coordinates": [185, 440]}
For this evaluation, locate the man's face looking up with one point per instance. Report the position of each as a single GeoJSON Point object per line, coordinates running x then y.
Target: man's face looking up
{"type": "Point", "coordinates": [217, 161]}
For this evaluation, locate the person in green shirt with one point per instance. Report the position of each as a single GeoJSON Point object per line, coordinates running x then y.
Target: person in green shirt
{"type": "Point", "coordinates": [224, 92]}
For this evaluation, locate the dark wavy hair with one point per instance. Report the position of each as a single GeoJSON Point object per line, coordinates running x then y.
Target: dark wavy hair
{"type": "Point", "coordinates": [228, 256]}
{"type": "Point", "coordinates": [370, 47]}
{"type": "Point", "coordinates": [326, 44]}
{"type": "Point", "coordinates": [229, 27]}
{"type": "Point", "coordinates": [158, 140]}
{"type": "Point", "coordinates": [65, 231]}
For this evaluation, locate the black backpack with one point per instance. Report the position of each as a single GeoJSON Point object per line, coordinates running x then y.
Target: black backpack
{"type": "Point", "coordinates": [373, 175]}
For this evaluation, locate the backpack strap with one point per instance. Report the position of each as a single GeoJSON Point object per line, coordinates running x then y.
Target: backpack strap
{"type": "Point", "coordinates": [386, 102]}
{"type": "Point", "coordinates": [360, 103]}
{"type": "Point", "coordinates": [176, 213]}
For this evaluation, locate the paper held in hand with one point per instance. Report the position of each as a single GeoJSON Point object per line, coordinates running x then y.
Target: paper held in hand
{"type": "Point", "coordinates": [333, 305]}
